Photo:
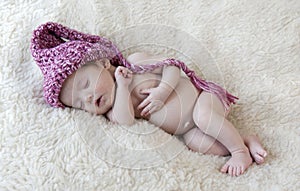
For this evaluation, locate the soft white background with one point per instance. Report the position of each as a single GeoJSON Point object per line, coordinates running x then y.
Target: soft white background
{"type": "Point", "coordinates": [254, 51]}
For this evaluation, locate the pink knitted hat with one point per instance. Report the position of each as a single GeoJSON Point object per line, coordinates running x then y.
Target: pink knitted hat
{"type": "Point", "coordinates": [59, 51]}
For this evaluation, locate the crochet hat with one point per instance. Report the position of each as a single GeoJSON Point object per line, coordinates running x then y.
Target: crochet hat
{"type": "Point", "coordinates": [59, 51]}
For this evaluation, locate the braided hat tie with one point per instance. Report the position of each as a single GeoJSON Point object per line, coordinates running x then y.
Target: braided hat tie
{"type": "Point", "coordinates": [59, 51]}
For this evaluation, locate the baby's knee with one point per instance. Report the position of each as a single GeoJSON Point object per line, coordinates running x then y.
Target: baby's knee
{"type": "Point", "coordinates": [202, 118]}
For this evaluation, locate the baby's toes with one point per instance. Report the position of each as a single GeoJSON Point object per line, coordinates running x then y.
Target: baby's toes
{"type": "Point", "coordinates": [242, 170]}
{"type": "Point", "coordinates": [263, 153]}
{"type": "Point", "coordinates": [238, 171]}
{"type": "Point", "coordinates": [224, 169]}
{"type": "Point", "coordinates": [231, 170]}
{"type": "Point", "coordinates": [259, 159]}
{"type": "Point", "coordinates": [235, 169]}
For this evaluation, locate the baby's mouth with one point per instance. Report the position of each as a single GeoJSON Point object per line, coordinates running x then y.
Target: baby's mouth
{"type": "Point", "coordinates": [98, 101]}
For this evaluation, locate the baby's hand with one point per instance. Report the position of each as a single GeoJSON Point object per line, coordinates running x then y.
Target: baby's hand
{"type": "Point", "coordinates": [155, 100]}
{"type": "Point", "coordinates": [123, 76]}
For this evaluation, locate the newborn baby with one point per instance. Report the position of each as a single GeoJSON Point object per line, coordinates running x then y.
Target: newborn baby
{"type": "Point", "coordinates": [84, 73]}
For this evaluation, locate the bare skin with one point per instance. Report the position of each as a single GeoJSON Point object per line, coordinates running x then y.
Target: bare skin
{"type": "Point", "coordinates": [168, 100]}
{"type": "Point", "coordinates": [211, 146]}
{"type": "Point", "coordinates": [257, 151]}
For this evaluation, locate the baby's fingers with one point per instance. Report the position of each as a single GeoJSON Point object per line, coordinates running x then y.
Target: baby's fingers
{"type": "Point", "coordinates": [152, 107]}
{"type": "Point", "coordinates": [146, 91]}
{"type": "Point", "coordinates": [128, 75]}
{"type": "Point", "coordinates": [144, 103]}
{"type": "Point", "coordinates": [123, 71]}
{"type": "Point", "coordinates": [147, 110]}
{"type": "Point", "coordinates": [152, 110]}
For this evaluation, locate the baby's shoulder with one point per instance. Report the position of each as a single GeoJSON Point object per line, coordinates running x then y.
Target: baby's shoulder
{"type": "Point", "coordinates": [141, 58]}
{"type": "Point", "coordinates": [137, 57]}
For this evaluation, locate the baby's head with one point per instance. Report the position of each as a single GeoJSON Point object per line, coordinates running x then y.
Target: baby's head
{"type": "Point", "coordinates": [77, 67]}
{"type": "Point", "coordinates": [90, 88]}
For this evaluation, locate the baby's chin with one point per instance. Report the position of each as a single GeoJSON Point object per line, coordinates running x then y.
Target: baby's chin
{"type": "Point", "coordinates": [103, 110]}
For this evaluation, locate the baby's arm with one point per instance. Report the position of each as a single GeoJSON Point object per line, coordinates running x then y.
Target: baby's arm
{"type": "Point", "coordinates": [122, 111]}
{"type": "Point", "coordinates": [170, 78]}
{"type": "Point", "coordinates": [158, 95]}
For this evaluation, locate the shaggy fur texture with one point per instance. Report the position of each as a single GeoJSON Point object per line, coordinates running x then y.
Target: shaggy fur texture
{"type": "Point", "coordinates": [250, 47]}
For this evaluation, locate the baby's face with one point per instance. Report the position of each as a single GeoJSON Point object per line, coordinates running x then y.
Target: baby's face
{"type": "Point", "coordinates": [90, 88]}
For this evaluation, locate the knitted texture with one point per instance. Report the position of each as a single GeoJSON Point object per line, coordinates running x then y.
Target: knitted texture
{"type": "Point", "coordinates": [59, 51]}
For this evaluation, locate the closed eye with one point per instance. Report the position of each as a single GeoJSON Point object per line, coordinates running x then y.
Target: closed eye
{"type": "Point", "coordinates": [87, 84]}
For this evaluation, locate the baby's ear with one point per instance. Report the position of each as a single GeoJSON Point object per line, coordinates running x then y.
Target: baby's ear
{"type": "Point", "coordinates": [104, 62]}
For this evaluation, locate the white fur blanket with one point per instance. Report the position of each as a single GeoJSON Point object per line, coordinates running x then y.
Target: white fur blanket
{"type": "Point", "coordinates": [250, 47]}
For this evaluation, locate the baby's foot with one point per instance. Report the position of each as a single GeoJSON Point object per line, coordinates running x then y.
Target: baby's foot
{"type": "Point", "coordinates": [258, 153]}
{"type": "Point", "coordinates": [238, 163]}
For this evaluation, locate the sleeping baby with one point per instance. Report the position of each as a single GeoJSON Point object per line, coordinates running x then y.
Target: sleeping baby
{"type": "Point", "coordinates": [88, 72]}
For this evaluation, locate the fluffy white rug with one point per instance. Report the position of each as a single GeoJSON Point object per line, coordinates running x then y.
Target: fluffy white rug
{"type": "Point", "coordinates": [250, 47]}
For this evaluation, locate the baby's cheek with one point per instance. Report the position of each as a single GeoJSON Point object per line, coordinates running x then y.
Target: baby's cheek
{"type": "Point", "coordinates": [88, 109]}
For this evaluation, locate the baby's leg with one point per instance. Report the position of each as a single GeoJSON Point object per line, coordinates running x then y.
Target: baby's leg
{"type": "Point", "coordinates": [197, 141]}
{"type": "Point", "coordinates": [209, 116]}
{"type": "Point", "coordinates": [257, 152]}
